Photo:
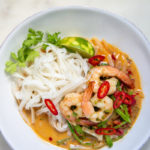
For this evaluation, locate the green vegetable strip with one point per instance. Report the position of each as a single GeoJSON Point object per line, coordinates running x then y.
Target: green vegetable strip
{"type": "Point", "coordinates": [62, 141]}
{"type": "Point", "coordinates": [76, 137]}
{"type": "Point", "coordinates": [79, 130]}
{"type": "Point", "coordinates": [126, 110]}
{"type": "Point", "coordinates": [109, 141]}
{"type": "Point", "coordinates": [74, 134]}
{"type": "Point", "coordinates": [120, 125]}
{"type": "Point", "coordinates": [123, 115]}
{"type": "Point", "coordinates": [119, 86]}
{"type": "Point", "coordinates": [102, 124]}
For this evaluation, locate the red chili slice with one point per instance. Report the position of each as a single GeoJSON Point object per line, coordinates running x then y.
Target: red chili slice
{"type": "Point", "coordinates": [105, 131]}
{"type": "Point", "coordinates": [130, 110]}
{"type": "Point", "coordinates": [129, 100]}
{"type": "Point", "coordinates": [113, 57]}
{"type": "Point", "coordinates": [95, 60]}
{"type": "Point", "coordinates": [103, 89]}
{"type": "Point", "coordinates": [51, 106]}
{"type": "Point", "coordinates": [50, 138]}
{"type": "Point", "coordinates": [119, 132]}
{"type": "Point", "coordinates": [120, 96]}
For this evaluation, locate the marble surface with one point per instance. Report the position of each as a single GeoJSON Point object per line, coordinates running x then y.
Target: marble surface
{"type": "Point", "coordinates": [12, 12]}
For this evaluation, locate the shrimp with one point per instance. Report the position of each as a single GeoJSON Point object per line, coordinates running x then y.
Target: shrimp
{"type": "Point", "coordinates": [95, 109]}
{"type": "Point", "coordinates": [103, 108]}
{"type": "Point", "coordinates": [71, 109]}
{"type": "Point", "coordinates": [113, 83]}
{"type": "Point", "coordinates": [108, 71]}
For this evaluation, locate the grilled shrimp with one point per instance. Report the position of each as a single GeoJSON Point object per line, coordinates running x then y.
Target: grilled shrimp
{"type": "Point", "coordinates": [108, 71]}
{"type": "Point", "coordinates": [96, 109]}
{"type": "Point", "coordinates": [103, 108]}
{"type": "Point", "coordinates": [113, 83]}
{"type": "Point", "coordinates": [71, 109]}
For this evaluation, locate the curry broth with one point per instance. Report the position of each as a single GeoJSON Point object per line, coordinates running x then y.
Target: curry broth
{"type": "Point", "coordinates": [42, 126]}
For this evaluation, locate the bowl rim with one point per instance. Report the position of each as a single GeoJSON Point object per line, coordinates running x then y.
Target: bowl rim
{"type": "Point", "coordinates": [76, 7]}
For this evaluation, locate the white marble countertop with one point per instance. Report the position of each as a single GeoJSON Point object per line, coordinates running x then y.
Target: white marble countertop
{"type": "Point", "coordinates": [12, 12]}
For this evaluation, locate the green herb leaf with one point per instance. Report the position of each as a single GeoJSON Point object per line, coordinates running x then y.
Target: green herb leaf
{"type": "Point", "coordinates": [33, 38]}
{"type": "Point", "coordinates": [11, 67]}
{"type": "Point", "coordinates": [31, 56]}
{"type": "Point", "coordinates": [54, 38]}
{"type": "Point", "coordinates": [44, 46]}
{"type": "Point", "coordinates": [25, 53]}
{"type": "Point", "coordinates": [13, 56]}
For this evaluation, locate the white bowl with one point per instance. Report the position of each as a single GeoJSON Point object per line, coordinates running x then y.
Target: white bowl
{"type": "Point", "coordinates": [87, 22]}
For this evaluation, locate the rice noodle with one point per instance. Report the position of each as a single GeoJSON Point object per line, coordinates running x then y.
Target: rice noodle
{"type": "Point", "coordinates": [53, 74]}
{"type": "Point", "coordinates": [110, 60]}
{"type": "Point", "coordinates": [32, 115]}
{"type": "Point", "coordinates": [75, 147]}
{"type": "Point", "coordinates": [91, 132]}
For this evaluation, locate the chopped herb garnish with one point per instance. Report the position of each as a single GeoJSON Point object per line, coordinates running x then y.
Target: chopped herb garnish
{"type": "Point", "coordinates": [44, 46]}
{"type": "Point", "coordinates": [118, 86]}
{"type": "Point", "coordinates": [103, 64]}
{"type": "Point", "coordinates": [26, 53]}
{"type": "Point", "coordinates": [125, 89]}
{"type": "Point", "coordinates": [112, 97]}
{"type": "Point", "coordinates": [107, 111]}
{"type": "Point", "coordinates": [68, 116]}
{"type": "Point", "coordinates": [130, 92]}
{"type": "Point", "coordinates": [54, 38]}
{"type": "Point", "coordinates": [75, 114]}
{"type": "Point", "coordinates": [63, 141]}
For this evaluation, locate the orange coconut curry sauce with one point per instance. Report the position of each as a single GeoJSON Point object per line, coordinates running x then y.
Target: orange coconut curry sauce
{"type": "Point", "coordinates": [114, 57]}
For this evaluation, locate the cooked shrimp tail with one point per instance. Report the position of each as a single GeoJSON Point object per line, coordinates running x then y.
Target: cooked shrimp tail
{"type": "Point", "coordinates": [86, 105]}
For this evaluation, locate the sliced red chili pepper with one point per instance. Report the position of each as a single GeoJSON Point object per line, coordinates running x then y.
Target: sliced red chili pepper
{"type": "Point", "coordinates": [50, 138]}
{"type": "Point", "coordinates": [119, 132]}
{"type": "Point", "coordinates": [129, 72]}
{"type": "Point", "coordinates": [120, 96]}
{"type": "Point", "coordinates": [105, 131]}
{"type": "Point", "coordinates": [129, 100]}
{"type": "Point", "coordinates": [51, 106]}
{"type": "Point", "coordinates": [95, 60]}
{"type": "Point", "coordinates": [129, 110]}
{"type": "Point", "coordinates": [103, 89]}
{"type": "Point", "coordinates": [113, 57]}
